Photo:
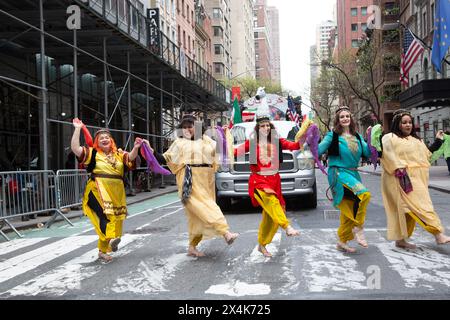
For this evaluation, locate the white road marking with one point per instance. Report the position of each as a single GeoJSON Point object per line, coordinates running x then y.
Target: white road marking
{"type": "Point", "coordinates": [69, 275]}
{"type": "Point", "coordinates": [239, 289]}
{"type": "Point", "coordinates": [16, 244]}
{"type": "Point", "coordinates": [157, 219]}
{"type": "Point", "coordinates": [33, 259]}
{"type": "Point", "coordinates": [422, 267]}
{"type": "Point", "coordinates": [327, 269]}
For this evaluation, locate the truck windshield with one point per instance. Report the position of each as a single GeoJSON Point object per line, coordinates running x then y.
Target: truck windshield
{"type": "Point", "coordinates": [285, 129]}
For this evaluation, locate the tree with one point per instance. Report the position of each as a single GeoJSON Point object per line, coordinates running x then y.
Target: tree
{"type": "Point", "coordinates": [249, 86]}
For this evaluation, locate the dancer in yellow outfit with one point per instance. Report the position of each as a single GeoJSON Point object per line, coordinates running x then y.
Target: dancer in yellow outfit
{"type": "Point", "coordinates": [345, 148]}
{"type": "Point", "coordinates": [192, 158]}
{"type": "Point", "coordinates": [104, 200]}
{"type": "Point", "coordinates": [265, 182]}
{"type": "Point", "coordinates": [404, 182]}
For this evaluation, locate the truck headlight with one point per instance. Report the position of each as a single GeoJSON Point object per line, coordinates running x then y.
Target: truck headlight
{"type": "Point", "coordinates": [305, 160]}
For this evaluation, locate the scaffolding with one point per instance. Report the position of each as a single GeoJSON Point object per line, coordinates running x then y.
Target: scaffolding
{"type": "Point", "coordinates": [106, 73]}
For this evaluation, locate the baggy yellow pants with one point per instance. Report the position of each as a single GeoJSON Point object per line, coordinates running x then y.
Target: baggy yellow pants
{"type": "Point", "coordinates": [411, 220]}
{"type": "Point", "coordinates": [113, 229]}
{"type": "Point", "coordinates": [353, 214]}
{"type": "Point", "coordinates": [273, 216]}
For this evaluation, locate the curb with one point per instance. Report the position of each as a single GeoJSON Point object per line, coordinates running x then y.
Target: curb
{"type": "Point", "coordinates": [438, 188]}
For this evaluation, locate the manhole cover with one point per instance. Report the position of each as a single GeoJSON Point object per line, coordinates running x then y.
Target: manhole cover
{"type": "Point", "coordinates": [331, 214]}
{"type": "Point", "coordinates": [150, 230]}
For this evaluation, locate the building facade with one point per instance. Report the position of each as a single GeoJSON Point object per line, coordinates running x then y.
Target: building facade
{"type": "Point", "coordinates": [242, 38]}
{"type": "Point", "coordinates": [220, 11]}
{"type": "Point", "coordinates": [186, 27]}
{"type": "Point", "coordinates": [263, 45]}
{"type": "Point", "coordinates": [427, 94]}
{"type": "Point", "coordinates": [352, 19]}
{"type": "Point", "coordinates": [203, 36]}
{"type": "Point", "coordinates": [274, 20]}
{"type": "Point", "coordinates": [167, 17]}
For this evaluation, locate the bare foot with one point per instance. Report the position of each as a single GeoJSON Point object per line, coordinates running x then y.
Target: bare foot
{"type": "Point", "coordinates": [264, 251]}
{"type": "Point", "coordinates": [114, 244]}
{"type": "Point", "coordinates": [341, 246]}
{"type": "Point", "coordinates": [404, 245]}
{"type": "Point", "coordinates": [230, 237]}
{"type": "Point", "coordinates": [193, 252]}
{"type": "Point", "coordinates": [358, 232]}
{"type": "Point", "coordinates": [442, 238]}
{"type": "Point", "coordinates": [104, 256]}
{"type": "Point", "coordinates": [291, 232]}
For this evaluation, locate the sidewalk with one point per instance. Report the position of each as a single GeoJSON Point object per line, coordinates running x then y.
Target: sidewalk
{"type": "Point", "coordinates": [439, 177]}
{"type": "Point", "coordinates": [33, 223]}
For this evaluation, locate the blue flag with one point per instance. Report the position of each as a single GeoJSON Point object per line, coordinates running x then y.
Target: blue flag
{"type": "Point", "coordinates": [441, 39]}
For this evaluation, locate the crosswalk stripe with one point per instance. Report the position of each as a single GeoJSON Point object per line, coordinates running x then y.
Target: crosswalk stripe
{"type": "Point", "coordinates": [11, 246]}
{"type": "Point", "coordinates": [69, 275]}
{"type": "Point", "coordinates": [33, 259]}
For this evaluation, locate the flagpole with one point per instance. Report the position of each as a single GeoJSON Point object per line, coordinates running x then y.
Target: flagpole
{"type": "Point", "coordinates": [423, 42]}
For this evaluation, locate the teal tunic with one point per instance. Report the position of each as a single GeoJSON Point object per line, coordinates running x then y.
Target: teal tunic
{"type": "Point", "coordinates": [342, 169]}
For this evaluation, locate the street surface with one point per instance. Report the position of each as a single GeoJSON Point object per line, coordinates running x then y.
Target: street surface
{"type": "Point", "coordinates": [61, 262]}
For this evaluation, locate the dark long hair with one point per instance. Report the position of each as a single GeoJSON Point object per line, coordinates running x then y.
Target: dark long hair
{"type": "Point", "coordinates": [340, 129]}
{"type": "Point", "coordinates": [395, 127]}
{"type": "Point", "coordinates": [272, 129]}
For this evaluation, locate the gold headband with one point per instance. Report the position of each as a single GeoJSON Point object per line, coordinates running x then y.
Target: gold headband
{"type": "Point", "coordinates": [103, 131]}
{"type": "Point", "coordinates": [342, 109]}
{"type": "Point", "coordinates": [401, 113]}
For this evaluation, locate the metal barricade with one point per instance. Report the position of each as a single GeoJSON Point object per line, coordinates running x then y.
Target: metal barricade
{"type": "Point", "coordinates": [26, 193]}
{"type": "Point", "coordinates": [70, 187]}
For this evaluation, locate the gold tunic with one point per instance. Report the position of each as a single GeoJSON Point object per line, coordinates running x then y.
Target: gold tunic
{"type": "Point", "coordinates": [403, 210]}
{"type": "Point", "coordinates": [205, 219]}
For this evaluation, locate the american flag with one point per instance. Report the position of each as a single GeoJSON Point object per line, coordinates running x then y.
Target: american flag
{"type": "Point", "coordinates": [292, 113]}
{"type": "Point", "coordinates": [412, 49]}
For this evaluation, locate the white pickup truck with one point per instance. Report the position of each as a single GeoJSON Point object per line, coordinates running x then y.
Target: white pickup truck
{"type": "Point", "coordinates": [297, 171]}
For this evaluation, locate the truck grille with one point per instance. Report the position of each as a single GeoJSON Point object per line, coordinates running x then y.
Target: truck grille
{"type": "Point", "coordinates": [286, 166]}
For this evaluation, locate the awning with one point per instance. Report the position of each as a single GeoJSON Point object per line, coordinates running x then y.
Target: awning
{"type": "Point", "coordinates": [427, 93]}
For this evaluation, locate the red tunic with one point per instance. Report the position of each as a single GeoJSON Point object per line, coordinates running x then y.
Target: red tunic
{"type": "Point", "coordinates": [265, 162]}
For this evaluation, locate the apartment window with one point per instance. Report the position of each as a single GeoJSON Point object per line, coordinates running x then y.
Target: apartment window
{"type": "Point", "coordinates": [218, 49]}
{"type": "Point", "coordinates": [179, 36]}
{"type": "Point", "coordinates": [189, 43]}
{"type": "Point", "coordinates": [188, 16]}
{"type": "Point", "coordinates": [364, 11]}
{"type": "Point", "coordinates": [217, 13]}
{"type": "Point", "coordinates": [354, 12]}
{"type": "Point", "coordinates": [424, 24]}
{"type": "Point", "coordinates": [184, 39]}
{"type": "Point", "coordinates": [218, 68]}
{"type": "Point", "coordinates": [354, 27]}
{"type": "Point", "coordinates": [364, 27]}
{"type": "Point", "coordinates": [182, 8]}
{"type": "Point", "coordinates": [432, 15]}
{"type": "Point", "coordinates": [218, 32]}
{"type": "Point", "coordinates": [256, 35]}
{"type": "Point", "coordinates": [355, 43]}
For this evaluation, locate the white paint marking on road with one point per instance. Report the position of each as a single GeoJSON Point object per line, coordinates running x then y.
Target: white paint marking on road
{"type": "Point", "coordinates": [239, 289]}
{"type": "Point", "coordinates": [70, 275]}
{"type": "Point", "coordinates": [422, 267]}
{"type": "Point", "coordinates": [327, 269]}
{"type": "Point", "coordinates": [257, 257]}
{"type": "Point", "coordinates": [33, 259]}
{"type": "Point", "coordinates": [157, 219]}
{"type": "Point", "coordinates": [131, 216]}
{"type": "Point", "coordinates": [16, 244]}
{"type": "Point", "coordinates": [151, 275]}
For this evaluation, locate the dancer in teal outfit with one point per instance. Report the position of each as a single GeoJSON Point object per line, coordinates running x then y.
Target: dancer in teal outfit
{"type": "Point", "coordinates": [345, 148]}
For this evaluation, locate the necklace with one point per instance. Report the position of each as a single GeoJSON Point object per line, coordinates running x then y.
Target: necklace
{"type": "Point", "coordinates": [111, 159]}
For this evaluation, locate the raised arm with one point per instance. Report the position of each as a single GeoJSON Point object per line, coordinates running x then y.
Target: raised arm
{"type": "Point", "coordinates": [438, 142]}
{"type": "Point", "coordinates": [325, 144]}
{"type": "Point", "coordinates": [289, 145]}
{"type": "Point", "coordinates": [75, 142]}
{"type": "Point", "coordinates": [137, 144]}
{"type": "Point", "coordinates": [243, 148]}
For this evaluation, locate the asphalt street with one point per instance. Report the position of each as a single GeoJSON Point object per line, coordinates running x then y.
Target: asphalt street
{"type": "Point", "coordinates": [61, 262]}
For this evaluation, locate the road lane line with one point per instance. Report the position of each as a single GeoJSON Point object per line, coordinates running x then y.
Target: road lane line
{"type": "Point", "coordinates": [13, 245]}
{"type": "Point", "coordinates": [28, 261]}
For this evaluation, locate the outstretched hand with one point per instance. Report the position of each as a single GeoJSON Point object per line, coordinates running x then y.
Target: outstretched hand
{"type": "Point", "coordinates": [138, 142]}
{"type": "Point", "coordinates": [77, 123]}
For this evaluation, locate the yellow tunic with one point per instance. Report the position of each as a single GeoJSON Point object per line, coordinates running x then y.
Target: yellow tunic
{"type": "Point", "coordinates": [205, 219]}
{"type": "Point", "coordinates": [404, 210]}
{"type": "Point", "coordinates": [108, 207]}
